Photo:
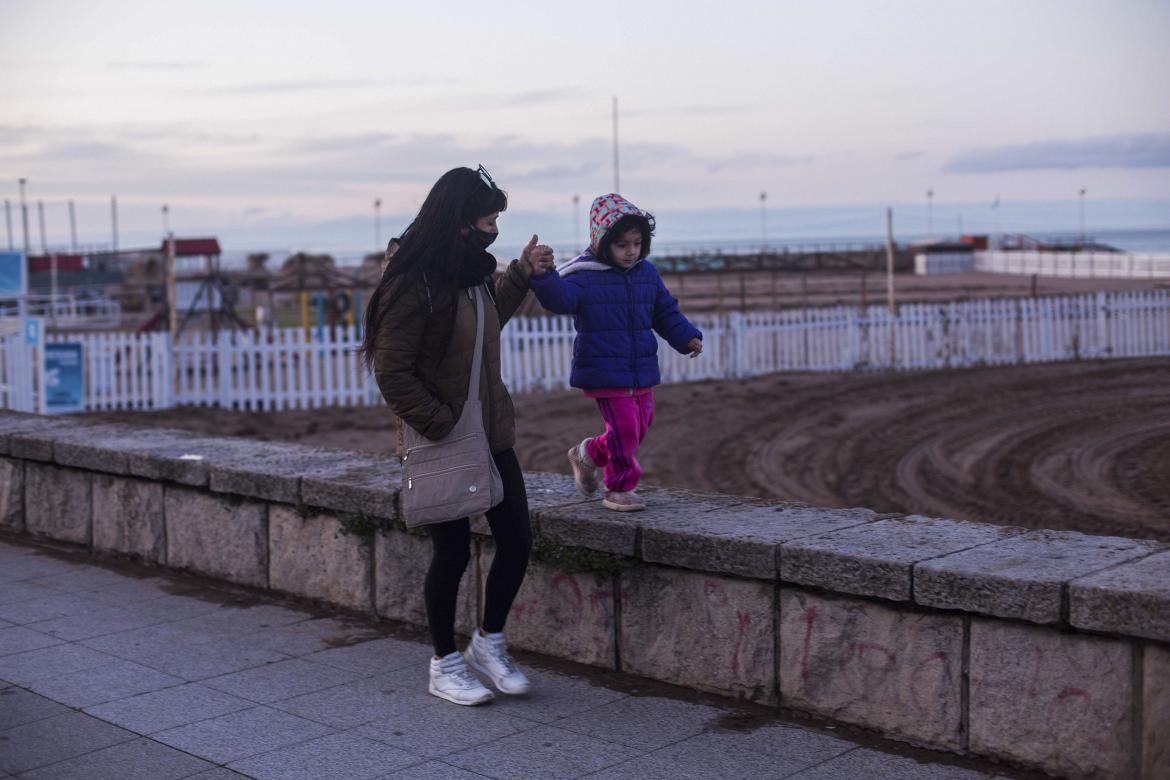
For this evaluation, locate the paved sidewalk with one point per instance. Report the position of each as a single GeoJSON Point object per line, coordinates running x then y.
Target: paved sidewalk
{"type": "Point", "coordinates": [119, 672]}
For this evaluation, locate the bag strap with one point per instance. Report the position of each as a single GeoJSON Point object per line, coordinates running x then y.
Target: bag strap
{"type": "Point", "coordinates": [477, 359]}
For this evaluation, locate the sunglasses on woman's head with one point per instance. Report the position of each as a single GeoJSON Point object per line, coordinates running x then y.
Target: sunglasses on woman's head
{"type": "Point", "coordinates": [486, 177]}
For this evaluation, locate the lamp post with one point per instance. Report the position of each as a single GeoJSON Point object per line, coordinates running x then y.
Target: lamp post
{"type": "Point", "coordinates": [763, 222]}
{"type": "Point", "coordinates": [114, 221]}
{"type": "Point", "coordinates": [995, 222]}
{"type": "Point", "coordinates": [166, 215]}
{"type": "Point", "coordinates": [617, 187]}
{"type": "Point", "coordinates": [930, 213]}
{"type": "Point", "coordinates": [24, 215]}
{"type": "Point", "coordinates": [72, 228]}
{"type": "Point", "coordinates": [1082, 231]}
{"type": "Point", "coordinates": [41, 221]}
{"type": "Point", "coordinates": [576, 224]}
{"type": "Point", "coordinates": [377, 223]}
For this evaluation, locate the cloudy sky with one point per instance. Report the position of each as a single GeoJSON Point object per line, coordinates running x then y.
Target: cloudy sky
{"type": "Point", "coordinates": [292, 113]}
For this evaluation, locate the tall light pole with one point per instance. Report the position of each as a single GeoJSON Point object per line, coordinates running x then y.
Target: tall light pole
{"type": "Point", "coordinates": [930, 213]}
{"type": "Point", "coordinates": [8, 221]}
{"type": "Point", "coordinates": [617, 186]}
{"type": "Point", "coordinates": [72, 228]}
{"type": "Point", "coordinates": [576, 224]}
{"type": "Point", "coordinates": [166, 214]}
{"type": "Point", "coordinates": [763, 221]}
{"type": "Point", "coordinates": [377, 223]}
{"type": "Point", "coordinates": [24, 215]}
{"type": "Point", "coordinates": [114, 220]}
{"type": "Point", "coordinates": [995, 222]}
{"type": "Point", "coordinates": [41, 219]}
{"type": "Point", "coordinates": [1082, 193]}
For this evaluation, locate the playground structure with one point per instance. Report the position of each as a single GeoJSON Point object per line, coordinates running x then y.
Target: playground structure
{"type": "Point", "coordinates": [323, 292]}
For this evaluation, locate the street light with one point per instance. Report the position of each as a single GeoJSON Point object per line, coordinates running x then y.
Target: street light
{"type": "Point", "coordinates": [763, 222]}
{"type": "Point", "coordinates": [377, 223]}
{"type": "Point", "coordinates": [930, 213]}
{"type": "Point", "coordinates": [576, 224]}
{"type": "Point", "coordinates": [166, 212]}
{"type": "Point", "coordinates": [1082, 193]}
{"type": "Point", "coordinates": [24, 215]}
{"type": "Point", "coordinates": [995, 222]}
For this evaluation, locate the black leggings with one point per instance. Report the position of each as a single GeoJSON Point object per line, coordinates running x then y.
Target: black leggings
{"type": "Point", "coordinates": [451, 552]}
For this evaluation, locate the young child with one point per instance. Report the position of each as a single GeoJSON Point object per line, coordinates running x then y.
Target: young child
{"type": "Point", "coordinates": [617, 302]}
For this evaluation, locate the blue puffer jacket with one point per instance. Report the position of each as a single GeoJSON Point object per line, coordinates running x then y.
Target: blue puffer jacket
{"type": "Point", "coordinates": [615, 312]}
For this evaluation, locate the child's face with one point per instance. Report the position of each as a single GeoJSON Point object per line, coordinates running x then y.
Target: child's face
{"type": "Point", "coordinates": [626, 248]}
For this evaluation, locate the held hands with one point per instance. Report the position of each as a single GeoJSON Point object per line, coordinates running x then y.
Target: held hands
{"type": "Point", "coordinates": [695, 345]}
{"type": "Point", "coordinates": [538, 257]}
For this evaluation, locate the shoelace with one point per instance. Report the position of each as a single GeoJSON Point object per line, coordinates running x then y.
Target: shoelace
{"type": "Point", "coordinates": [461, 674]}
{"type": "Point", "coordinates": [501, 655]}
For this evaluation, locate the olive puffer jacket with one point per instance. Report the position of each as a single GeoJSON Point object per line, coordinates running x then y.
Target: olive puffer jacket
{"type": "Point", "coordinates": [427, 388]}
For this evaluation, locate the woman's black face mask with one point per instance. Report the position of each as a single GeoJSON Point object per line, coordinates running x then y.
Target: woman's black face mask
{"type": "Point", "coordinates": [480, 238]}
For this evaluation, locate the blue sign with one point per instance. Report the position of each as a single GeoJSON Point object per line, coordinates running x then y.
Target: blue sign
{"type": "Point", "coordinates": [32, 332]}
{"type": "Point", "coordinates": [13, 275]}
{"type": "Point", "coordinates": [64, 378]}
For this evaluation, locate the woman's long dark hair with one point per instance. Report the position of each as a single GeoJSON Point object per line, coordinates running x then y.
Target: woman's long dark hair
{"type": "Point", "coordinates": [433, 245]}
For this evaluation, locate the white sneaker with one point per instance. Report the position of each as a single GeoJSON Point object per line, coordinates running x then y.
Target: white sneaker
{"type": "Point", "coordinates": [453, 681]}
{"type": "Point", "coordinates": [488, 655]}
{"type": "Point", "coordinates": [584, 469]}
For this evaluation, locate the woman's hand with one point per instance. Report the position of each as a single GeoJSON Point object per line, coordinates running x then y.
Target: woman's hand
{"type": "Point", "coordinates": [695, 345]}
{"type": "Point", "coordinates": [538, 257]}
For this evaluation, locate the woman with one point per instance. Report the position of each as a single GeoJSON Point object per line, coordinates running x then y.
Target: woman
{"type": "Point", "coordinates": [420, 339]}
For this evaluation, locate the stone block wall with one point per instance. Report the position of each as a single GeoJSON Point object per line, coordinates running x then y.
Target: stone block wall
{"type": "Point", "coordinates": [1046, 649]}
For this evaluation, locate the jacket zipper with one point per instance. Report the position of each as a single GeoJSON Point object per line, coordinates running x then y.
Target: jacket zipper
{"type": "Point", "coordinates": [633, 343]}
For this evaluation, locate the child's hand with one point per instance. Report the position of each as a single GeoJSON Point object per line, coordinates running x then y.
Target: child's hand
{"type": "Point", "coordinates": [695, 346]}
{"type": "Point", "coordinates": [538, 257]}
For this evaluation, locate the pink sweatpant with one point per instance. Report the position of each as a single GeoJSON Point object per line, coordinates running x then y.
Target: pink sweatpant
{"type": "Point", "coordinates": [627, 418]}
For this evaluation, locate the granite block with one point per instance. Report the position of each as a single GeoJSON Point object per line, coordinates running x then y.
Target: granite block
{"type": "Point", "coordinates": [269, 470]}
{"type": "Point", "coordinates": [217, 536]}
{"type": "Point", "coordinates": [1022, 577]}
{"type": "Point", "coordinates": [311, 557]}
{"type": "Point", "coordinates": [12, 494]}
{"type": "Point", "coordinates": [567, 615]}
{"type": "Point", "coordinates": [871, 664]}
{"type": "Point", "coordinates": [355, 484]}
{"type": "Point", "coordinates": [401, 561]}
{"type": "Point", "coordinates": [736, 538]}
{"type": "Point", "coordinates": [31, 436]}
{"type": "Point", "coordinates": [128, 517]}
{"type": "Point", "coordinates": [1131, 599]}
{"type": "Point", "coordinates": [1058, 701]}
{"type": "Point", "coordinates": [1156, 712]}
{"type": "Point", "coordinates": [57, 503]}
{"type": "Point", "coordinates": [108, 448]}
{"type": "Point", "coordinates": [699, 630]}
{"type": "Point", "coordinates": [877, 559]}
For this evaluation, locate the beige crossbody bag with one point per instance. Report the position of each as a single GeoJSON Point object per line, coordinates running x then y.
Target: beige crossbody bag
{"type": "Point", "coordinates": [454, 476]}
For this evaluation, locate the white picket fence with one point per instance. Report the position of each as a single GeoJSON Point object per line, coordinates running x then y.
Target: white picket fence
{"type": "Point", "coordinates": [1080, 265]}
{"type": "Point", "coordinates": [291, 371]}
